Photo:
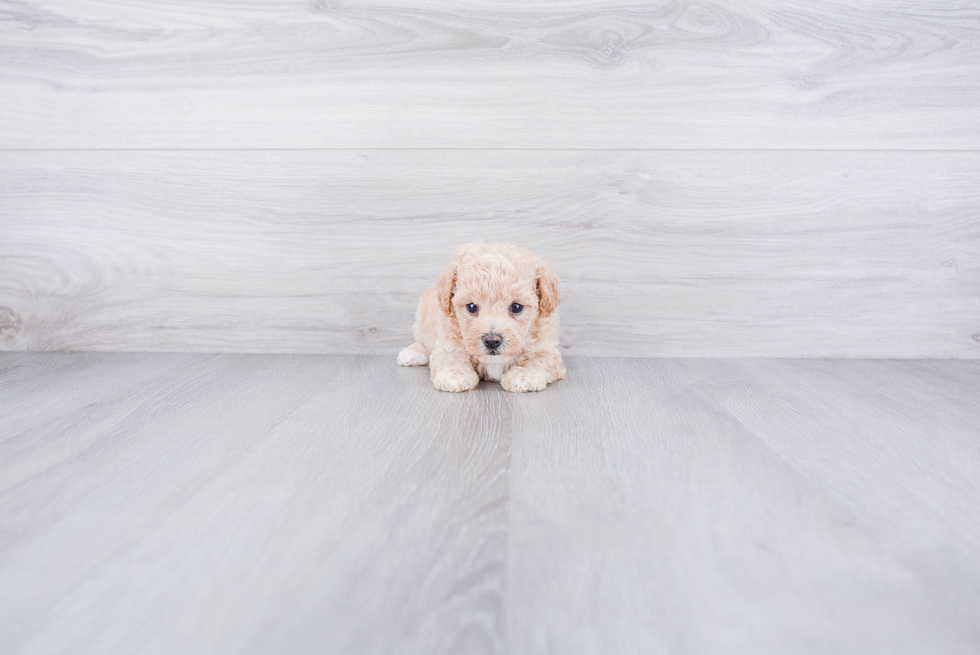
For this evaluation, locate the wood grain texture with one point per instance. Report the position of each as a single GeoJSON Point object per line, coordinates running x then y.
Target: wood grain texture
{"type": "Point", "coordinates": [698, 506]}
{"type": "Point", "coordinates": [163, 503]}
{"type": "Point", "coordinates": [243, 504]}
{"type": "Point", "coordinates": [660, 253]}
{"type": "Point", "coordinates": [578, 74]}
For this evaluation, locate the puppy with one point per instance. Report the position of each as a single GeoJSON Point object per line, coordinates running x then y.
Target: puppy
{"type": "Point", "coordinates": [491, 315]}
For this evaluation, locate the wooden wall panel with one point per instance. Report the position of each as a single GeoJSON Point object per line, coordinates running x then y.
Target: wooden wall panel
{"type": "Point", "coordinates": [892, 74]}
{"type": "Point", "coordinates": [719, 253]}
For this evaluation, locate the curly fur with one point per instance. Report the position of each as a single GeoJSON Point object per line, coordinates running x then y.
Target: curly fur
{"type": "Point", "coordinates": [450, 339]}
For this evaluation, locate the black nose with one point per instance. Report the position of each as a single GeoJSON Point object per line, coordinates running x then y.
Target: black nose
{"type": "Point", "coordinates": [492, 341]}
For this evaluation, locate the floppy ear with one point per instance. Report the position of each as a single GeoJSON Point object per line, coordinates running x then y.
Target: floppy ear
{"type": "Point", "coordinates": [445, 286]}
{"type": "Point", "coordinates": [548, 294]}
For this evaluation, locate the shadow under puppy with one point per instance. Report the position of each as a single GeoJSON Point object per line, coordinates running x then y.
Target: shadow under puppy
{"type": "Point", "coordinates": [491, 315]}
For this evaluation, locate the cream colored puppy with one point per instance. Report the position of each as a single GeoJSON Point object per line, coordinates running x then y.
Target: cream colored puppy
{"type": "Point", "coordinates": [491, 315]}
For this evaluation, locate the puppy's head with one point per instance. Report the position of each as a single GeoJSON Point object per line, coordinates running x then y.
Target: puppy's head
{"type": "Point", "coordinates": [497, 293]}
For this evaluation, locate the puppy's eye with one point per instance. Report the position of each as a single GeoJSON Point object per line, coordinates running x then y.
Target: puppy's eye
{"type": "Point", "coordinates": [516, 308]}
{"type": "Point", "coordinates": [471, 308]}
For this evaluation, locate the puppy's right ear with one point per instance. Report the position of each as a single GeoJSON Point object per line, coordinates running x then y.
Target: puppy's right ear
{"type": "Point", "coordinates": [445, 286]}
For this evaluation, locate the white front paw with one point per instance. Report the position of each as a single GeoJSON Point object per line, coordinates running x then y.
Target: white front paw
{"type": "Point", "coordinates": [519, 379]}
{"type": "Point", "coordinates": [412, 356]}
{"type": "Point", "coordinates": [455, 380]}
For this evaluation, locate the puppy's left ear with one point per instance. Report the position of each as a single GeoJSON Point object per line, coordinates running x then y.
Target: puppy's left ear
{"type": "Point", "coordinates": [548, 294]}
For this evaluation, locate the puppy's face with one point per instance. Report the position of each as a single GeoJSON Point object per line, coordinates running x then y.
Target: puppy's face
{"type": "Point", "coordinates": [495, 320]}
{"type": "Point", "coordinates": [496, 293]}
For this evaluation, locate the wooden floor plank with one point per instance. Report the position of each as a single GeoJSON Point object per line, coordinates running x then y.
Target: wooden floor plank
{"type": "Point", "coordinates": [660, 253]}
{"type": "Point", "coordinates": [45, 388]}
{"type": "Point", "coordinates": [647, 518]}
{"type": "Point", "coordinates": [270, 490]}
{"type": "Point", "coordinates": [315, 504]}
{"type": "Point", "coordinates": [880, 74]}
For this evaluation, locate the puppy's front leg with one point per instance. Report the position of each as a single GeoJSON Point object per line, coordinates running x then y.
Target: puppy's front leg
{"type": "Point", "coordinates": [452, 371]}
{"type": "Point", "coordinates": [534, 371]}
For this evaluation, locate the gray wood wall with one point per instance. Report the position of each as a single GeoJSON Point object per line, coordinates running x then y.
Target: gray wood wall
{"type": "Point", "coordinates": [733, 178]}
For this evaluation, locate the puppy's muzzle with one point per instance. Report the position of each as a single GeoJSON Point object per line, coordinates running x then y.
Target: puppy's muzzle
{"type": "Point", "coordinates": [492, 342]}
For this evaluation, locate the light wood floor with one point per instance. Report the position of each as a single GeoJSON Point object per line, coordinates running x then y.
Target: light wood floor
{"type": "Point", "coordinates": [185, 503]}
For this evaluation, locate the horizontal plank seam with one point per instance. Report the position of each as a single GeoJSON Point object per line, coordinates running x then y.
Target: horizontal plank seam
{"type": "Point", "coordinates": [355, 149]}
{"type": "Point", "coordinates": [392, 356]}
